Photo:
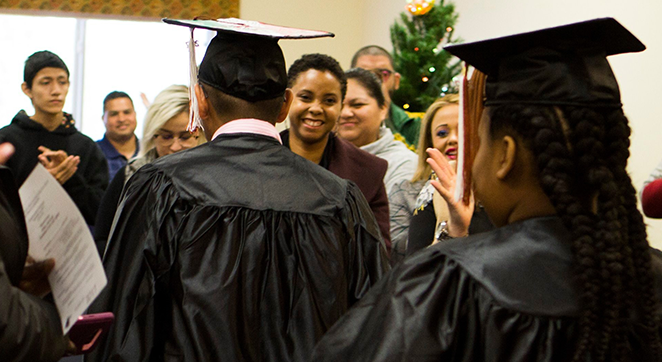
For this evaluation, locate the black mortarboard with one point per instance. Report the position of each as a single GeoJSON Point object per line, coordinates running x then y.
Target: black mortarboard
{"type": "Point", "coordinates": [244, 59]}
{"type": "Point", "coordinates": [564, 65]}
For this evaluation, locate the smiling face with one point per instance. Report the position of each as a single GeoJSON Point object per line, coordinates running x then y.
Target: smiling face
{"type": "Point", "coordinates": [444, 130]}
{"type": "Point", "coordinates": [316, 106]}
{"type": "Point", "coordinates": [49, 90]}
{"type": "Point", "coordinates": [361, 116]}
{"type": "Point", "coordinates": [119, 118]}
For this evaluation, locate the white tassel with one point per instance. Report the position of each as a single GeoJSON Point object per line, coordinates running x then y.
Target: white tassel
{"type": "Point", "coordinates": [459, 175]}
{"type": "Point", "coordinates": [194, 121]}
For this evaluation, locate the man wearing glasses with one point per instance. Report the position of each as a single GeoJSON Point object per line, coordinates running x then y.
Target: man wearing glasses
{"type": "Point", "coordinates": [378, 60]}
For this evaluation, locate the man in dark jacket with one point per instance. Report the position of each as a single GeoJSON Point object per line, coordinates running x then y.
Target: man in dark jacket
{"type": "Point", "coordinates": [238, 249]}
{"type": "Point", "coordinates": [50, 137]}
{"type": "Point", "coordinates": [29, 327]}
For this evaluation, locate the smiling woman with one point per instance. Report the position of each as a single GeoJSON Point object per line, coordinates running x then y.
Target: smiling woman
{"type": "Point", "coordinates": [319, 85]}
{"type": "Point", "coordinates": [364, 110]}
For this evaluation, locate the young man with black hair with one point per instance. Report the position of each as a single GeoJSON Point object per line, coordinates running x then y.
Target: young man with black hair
{"type": "Point", "coordinates": [119, 144]}
{"type": "Point", "coordinates": [50, 137]}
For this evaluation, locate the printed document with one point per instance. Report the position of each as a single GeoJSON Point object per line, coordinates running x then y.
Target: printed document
{"type": "Point", "coordinates": [57, 230]}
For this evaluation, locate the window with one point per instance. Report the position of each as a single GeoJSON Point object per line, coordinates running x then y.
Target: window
{"type": "Point", "coordinates": [136, 57]}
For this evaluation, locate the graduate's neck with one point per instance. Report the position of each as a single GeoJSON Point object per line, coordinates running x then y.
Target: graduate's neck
{"type": "Point", "coordinates": [50, 121]}
{"type": "Point", "coordinates": [531, 205]}
{"type": "Point", "coordinates": [310, 151]}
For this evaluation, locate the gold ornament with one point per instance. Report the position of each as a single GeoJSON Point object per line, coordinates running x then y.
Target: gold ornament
{"type": "Point", "coordinates": [419, 7]}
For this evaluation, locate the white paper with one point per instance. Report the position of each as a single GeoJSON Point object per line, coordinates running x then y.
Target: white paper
{"type": "Point", "coordinates": [57, 230]}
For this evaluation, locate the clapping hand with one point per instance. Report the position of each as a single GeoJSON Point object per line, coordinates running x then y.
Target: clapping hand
{"type": "Point", "coordinates": [59, 164]}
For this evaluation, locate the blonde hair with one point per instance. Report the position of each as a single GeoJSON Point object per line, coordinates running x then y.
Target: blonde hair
{"type": "Point", "coordinates": [169, 103]}
{"type": "Point", "coordinates": [423, 170]}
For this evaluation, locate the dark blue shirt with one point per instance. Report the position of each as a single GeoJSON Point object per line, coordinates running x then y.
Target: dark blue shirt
{"type": "Point", "coordinates": [115, 159]}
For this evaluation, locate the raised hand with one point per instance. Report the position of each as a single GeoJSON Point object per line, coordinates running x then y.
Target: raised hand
{"type": "Point", "coordinates": [459, 213]}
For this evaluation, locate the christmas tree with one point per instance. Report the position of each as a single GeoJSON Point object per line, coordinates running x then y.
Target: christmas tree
{"type": "Point", "coordinates": [427, 71]}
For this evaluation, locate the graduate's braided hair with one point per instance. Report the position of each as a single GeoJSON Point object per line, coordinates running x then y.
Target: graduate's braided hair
{"type": "Point", "coordinates": [581, 155]}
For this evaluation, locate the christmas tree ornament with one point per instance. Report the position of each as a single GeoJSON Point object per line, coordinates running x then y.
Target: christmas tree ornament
{"type": "Point", "coordinates": [419, 7]}
{"type": "Point", "coordinates": [418, 54]}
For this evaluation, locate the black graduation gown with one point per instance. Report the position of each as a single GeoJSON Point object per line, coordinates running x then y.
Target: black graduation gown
{"type": "Point", "coordinates": [236, 250]}
{"type": "Point", "coordinates": [504, 295]}
{"type": "Point", "coordinates": [29, 327]}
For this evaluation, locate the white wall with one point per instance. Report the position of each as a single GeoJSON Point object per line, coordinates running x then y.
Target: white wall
{"type": "Point", "coordinates": [639, 75]}
{"type": "Point", "coordinates": [344, 18]}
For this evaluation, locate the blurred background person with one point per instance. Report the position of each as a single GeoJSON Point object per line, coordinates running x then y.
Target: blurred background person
{"type": "Point", "coordinates": [360, 123]}
{"type": "Point", "coordinates": [651, 194]}
{"type": "Point", "coordinates": [164, 132]}
{"type": "Point", "coordinates": [379, 61]}
{"type": "Point", "coordinates": [438, 130]}
{"type": "Point", "coordinates": [119, 144]}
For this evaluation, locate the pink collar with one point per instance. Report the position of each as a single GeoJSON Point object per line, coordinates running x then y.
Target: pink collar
{"type": "Point", "coordinates": [249, 125]}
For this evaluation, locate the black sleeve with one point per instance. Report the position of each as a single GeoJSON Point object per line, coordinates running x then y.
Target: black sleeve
{"type": "Point", "coordinates": [421, 229]}
{"type": "Point", "coordinates": [30, 328]}
{"type": "Point", "coordinates": [107, 209]}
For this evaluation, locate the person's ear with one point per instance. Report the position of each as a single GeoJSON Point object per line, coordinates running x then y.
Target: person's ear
{"type": "Point", "coordinates": [27, 91]}
{"type": "Point", "coordinates": [383, 112]}
{"type": "Point", "coordinates": [203, 101]}
{"type": "Point", "coordinates": [507, 157]}
{"type": "Point", "coordinates": [285, 109]}
{"type": "Point", "coordinates": [396, 82]}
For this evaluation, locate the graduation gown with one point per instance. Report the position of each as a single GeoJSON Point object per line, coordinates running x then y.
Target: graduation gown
{"type": "Point", "coordinates": [236, 250]}
{"type": "Point", "coordinates": [504, 295]}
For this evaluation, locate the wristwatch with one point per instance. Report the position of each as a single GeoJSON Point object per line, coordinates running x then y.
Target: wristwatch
{"type": "Point", "coordinates": [441, 232]}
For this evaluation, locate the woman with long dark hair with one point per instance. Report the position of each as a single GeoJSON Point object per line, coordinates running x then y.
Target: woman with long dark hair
{"type": "Point", "coordinates": [568, 274]}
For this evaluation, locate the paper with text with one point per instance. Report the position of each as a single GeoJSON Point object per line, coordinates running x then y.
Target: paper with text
{"type": "Point", "coordinates": [57, 230]}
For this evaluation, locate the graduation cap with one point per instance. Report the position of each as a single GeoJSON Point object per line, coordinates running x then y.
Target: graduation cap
{"type": "Point", "coordinates": [565, 65]}
{"type": "Point", "coordinates": [243, 60]}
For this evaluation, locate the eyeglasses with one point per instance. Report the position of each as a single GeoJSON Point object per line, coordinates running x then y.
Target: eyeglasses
{"type": "Point", "coordinates": [185, 139]}
{"type": "Point", "coordinates": [383, 73]}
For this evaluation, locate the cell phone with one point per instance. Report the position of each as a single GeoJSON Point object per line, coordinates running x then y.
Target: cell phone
{"type": "Point", "coordinates": [88, 330]}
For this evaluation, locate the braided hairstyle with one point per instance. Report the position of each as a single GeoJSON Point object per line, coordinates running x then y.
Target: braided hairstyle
{"type": "Point", "coordinates": [581, 155]}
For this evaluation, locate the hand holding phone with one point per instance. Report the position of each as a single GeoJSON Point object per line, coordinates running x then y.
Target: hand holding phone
{"type": "Point", "coordinates": [89, 329]}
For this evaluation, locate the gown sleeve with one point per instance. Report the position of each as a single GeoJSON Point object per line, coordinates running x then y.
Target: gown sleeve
{"type": "Point", "coordinates": [30, 328]}
{"type": "Point", "coordinates": [137, 262]}
{"type": "Point", "coordinates": [368, 261]}
{"type": "Point", "coordinates": [107, 209]}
